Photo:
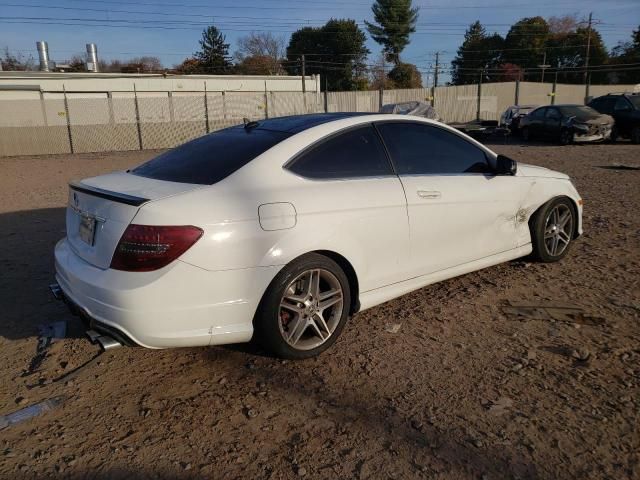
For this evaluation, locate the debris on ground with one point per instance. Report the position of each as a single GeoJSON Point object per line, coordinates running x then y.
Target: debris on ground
{"type": "Point", "coordinates": [392, 327]}
{"type": "Point", "coordinates": [30, 412]}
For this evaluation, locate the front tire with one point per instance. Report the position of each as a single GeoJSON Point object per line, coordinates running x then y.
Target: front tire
{"type": "Point", "coordinates": [305, 308]}
{"type": "Point", "coordinates": [635, 134]}
{"type": "Point", "coordinates": [553, 229]}
{"type": "Point", "coordinates": [526, 134]}
{"type": "Point", "coordinates": [566, 136]}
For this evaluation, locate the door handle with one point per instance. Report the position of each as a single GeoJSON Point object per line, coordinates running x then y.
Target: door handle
{"type": "Point", "coordinates": [429, 194]}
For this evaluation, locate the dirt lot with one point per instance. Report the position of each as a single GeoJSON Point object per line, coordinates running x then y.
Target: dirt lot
{"type": "Point", "coordinates": [461, 391]}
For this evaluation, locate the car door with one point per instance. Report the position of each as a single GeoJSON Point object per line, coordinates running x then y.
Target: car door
{"type": "Point", "coordinates": [552, 119]}
{"type": "Point", "coordinates": [622, 112]}
{"type": "Point", "coordinates": [459, 211]}
{"type": "Point", "coordinates": [354, 202]}
{"type": "Point", "coordinates": [536, 122]}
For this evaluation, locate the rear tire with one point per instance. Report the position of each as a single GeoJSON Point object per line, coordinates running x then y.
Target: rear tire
{"type": "Point", "coordinates": [304, 309]}
{"type": "Point", "coordinates": [553, 228]}
{"type": "Point", "coordinates": [526, 134]}
{"type": "Point", "coordinates": [635, 134]}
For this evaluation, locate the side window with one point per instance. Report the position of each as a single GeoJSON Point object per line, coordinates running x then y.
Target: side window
{"type": "Point", "coordinates": [597, 104]}
{"type": "Point", "coordinates": [622, 105]}
{"type": "Point", "coordinates": [553, 114]}
{"type": "Point", "coordinates": [354, 153]}
{"type": "Point", "coordinates": [539, 113]}
{"type": "Point", "coordinates": [418, 149]}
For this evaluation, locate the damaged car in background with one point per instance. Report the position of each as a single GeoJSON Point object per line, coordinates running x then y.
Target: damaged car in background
{"type": "Point", "coordinates": [567, 124]}
{"type": "Point", "coordinates": [417, 109]}
{"type": "Point", "coordinates": [511, 117]}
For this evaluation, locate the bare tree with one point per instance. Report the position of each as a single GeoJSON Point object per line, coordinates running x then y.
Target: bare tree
{"type": "Point", "coordinates": [16, 62]}
{"type": "Point", "coordinates": [562, 25]}
{"type": "Point", "coordinates": [142, 65]}
{"type": "Point", "coordinates": [267, 49]}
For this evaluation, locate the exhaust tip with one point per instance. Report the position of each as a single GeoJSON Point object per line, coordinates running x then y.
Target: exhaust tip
{"type": "Point", "coordinates": [108, 343]}
{"type": "Point", "coordinates": [105, 342]}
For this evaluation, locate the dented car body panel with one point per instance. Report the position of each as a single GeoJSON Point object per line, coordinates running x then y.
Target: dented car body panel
{"type": "Point", "coordinates": [567, 124]}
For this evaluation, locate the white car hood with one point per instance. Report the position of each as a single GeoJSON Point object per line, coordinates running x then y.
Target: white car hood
{"type": "Point", "coordinates": [526, 170]}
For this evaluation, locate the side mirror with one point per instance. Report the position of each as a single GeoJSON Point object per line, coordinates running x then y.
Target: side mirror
{"type": "Point", "coordinates": [506, 166]}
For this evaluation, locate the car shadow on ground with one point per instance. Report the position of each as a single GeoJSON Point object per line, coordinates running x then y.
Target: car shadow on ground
{"type": "Point", "coordinates": [424, 446]}
{"type": "Point", "coordinates": [27, 240]}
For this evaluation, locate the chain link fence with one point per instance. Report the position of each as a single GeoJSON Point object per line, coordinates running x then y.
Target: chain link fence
{"type": "Point", "coordinates": [36, 123]}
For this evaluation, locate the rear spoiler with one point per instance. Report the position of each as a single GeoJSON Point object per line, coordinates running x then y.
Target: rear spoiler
{"type": "Point", "coordinates": [108, 195]}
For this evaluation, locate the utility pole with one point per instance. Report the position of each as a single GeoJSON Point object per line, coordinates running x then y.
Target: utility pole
{"type": "Point", "coordinates": [543, 66]}
{"type": "Point", "coordinates": [586, 60]}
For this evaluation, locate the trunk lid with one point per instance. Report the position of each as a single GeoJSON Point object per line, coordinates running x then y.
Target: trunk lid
{"type": "Point", "coordinates": [99, 209]}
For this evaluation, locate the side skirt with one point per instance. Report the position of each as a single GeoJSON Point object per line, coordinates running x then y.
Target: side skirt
{"type": "Point", "coordinates": [380, 295]}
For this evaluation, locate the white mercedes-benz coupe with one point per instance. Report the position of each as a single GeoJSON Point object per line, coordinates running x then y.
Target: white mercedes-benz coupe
{"type": "Point", "coordinates": [282, 229]}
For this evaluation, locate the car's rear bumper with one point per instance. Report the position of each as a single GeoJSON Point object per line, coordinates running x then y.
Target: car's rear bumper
{"type": "Point", "coordinates": [178, 305]}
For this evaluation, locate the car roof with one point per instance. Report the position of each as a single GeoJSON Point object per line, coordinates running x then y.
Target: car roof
{"type": "Point", "coordinates": [568, 105]}
{"type": "Point", "coordinates": [298, 123]}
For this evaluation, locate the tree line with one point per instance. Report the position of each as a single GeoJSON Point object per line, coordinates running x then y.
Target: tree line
{"type": "Point", "coordinates": [533, 49]}
{"type": "Point", "coordinates": [536, 49]}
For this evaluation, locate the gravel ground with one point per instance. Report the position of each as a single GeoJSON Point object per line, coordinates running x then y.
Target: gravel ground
{"type": "Point", "coordinates": [462, 390]}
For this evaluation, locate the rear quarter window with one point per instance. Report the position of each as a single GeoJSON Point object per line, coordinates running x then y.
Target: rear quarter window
{"type": "Point", "coordinates": [209, 159]}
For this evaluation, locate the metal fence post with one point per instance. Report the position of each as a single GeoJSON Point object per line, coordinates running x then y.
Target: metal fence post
{"type": "Point", "coordinates": [112, 120]}
{"type": "Point", "coordinates": [326, 102]}
{"type": "Point", "coordinates": [206, 108]}
{"type": "Point", "coordinates": [380, 97]}
{"type": "Point", "coordinates": [66, 114]}
{"type": "Point", "coordinates": [517, 99]}
{"type": "Point", "coordinates": [44, 109]}
{"type": "Point", "coordinates": [553, 89]}
{"type": "Point", "coordinates": [479, 97]}
{"type": "Point", "coordinates": [586, 88]}
{"type": "Point", "coordinates": [172, 116]}
{"type": "Point", "coordinates": [224, 107]}
{"type": "Point", "coordinates": [135, 101]}
{"type": "Point", "coordinates": [266, 101]}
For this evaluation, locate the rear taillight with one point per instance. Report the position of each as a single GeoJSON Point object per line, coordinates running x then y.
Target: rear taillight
{"type": "Point", "coordinates": [143, 248]}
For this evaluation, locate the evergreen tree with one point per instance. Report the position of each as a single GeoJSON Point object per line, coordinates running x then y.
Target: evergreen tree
{"type": "Point", "coordinates": [213, 56]}
{"type": "Point", "coordinates": [395, 22]}
{"type": "Point", "coordinates": [405, 75]}
{"type": "Point", "coordinates": [624, 54]}
{"type": "Point", "coordinates": [336, 51]}
{"type": "Point", "coordinates": [478, 53]}
{"type": "Point", "coordinates": [568, 54]}
{"type": "Point", "coordinates": [525, 45]}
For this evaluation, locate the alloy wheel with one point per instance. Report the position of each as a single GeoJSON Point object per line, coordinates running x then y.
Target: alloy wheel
{"type": "Point", "coordinates": [558, 230]}
{"type": "Point", "coordinates": [310, 309]}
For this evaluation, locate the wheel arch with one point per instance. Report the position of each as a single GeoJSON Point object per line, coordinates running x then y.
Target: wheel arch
{"type": "Point", "coordinates": [574, 207]}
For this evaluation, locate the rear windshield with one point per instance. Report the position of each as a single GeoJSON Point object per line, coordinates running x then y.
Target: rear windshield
{"type": "Point", "coordinates": [209, 159]}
